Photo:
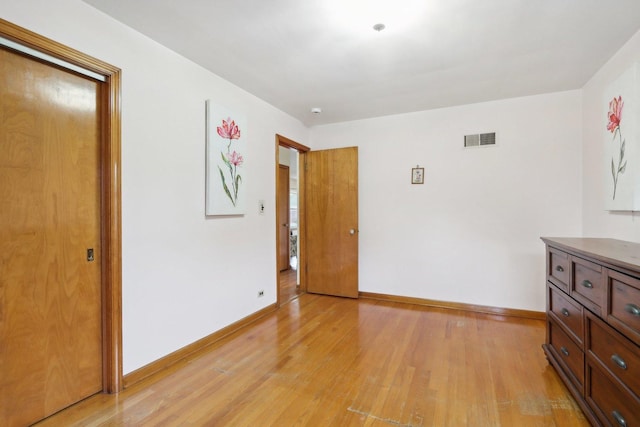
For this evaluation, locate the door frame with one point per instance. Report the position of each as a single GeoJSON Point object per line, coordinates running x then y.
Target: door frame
{"type": "Point", "coordinates": [110, 198]}
{"type": "Point", "coordinates": [285, 142]}
{"type": "Point", "coordinates": [278, 207]}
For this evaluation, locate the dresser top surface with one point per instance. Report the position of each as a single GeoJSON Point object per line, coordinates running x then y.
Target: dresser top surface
{"type": "Point", "coordinates": [611, 251]}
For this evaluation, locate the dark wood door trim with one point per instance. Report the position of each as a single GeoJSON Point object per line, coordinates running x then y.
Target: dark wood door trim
{"type": "Point", "coordinates": [110, 197]}
{"type": "Point", "coordinates": [282, 141]}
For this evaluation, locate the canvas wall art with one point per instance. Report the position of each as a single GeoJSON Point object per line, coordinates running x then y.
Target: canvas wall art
{"type": "Point", "coordinates": [621, 139]}
{"type": "Point", "coordinates": [226, 152]}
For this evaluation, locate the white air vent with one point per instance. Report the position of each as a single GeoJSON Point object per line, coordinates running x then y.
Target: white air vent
{"type": "Point", "coordinates": [480, 139]}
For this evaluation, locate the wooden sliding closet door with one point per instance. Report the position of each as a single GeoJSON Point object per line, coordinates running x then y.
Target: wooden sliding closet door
{"type": "Point", "coordinates": [50, 239]}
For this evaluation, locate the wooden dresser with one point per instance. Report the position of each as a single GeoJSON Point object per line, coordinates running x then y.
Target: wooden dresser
{"type": "Point", "coordinates": [593, 325]}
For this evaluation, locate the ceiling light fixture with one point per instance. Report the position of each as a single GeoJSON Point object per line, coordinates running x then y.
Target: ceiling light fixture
{"type": "Point", "coordinates": [316, 110]}
{"type": "Point", "coordinates": [357, 16]}
{"type": "Point", "coordinates": [379, 27]}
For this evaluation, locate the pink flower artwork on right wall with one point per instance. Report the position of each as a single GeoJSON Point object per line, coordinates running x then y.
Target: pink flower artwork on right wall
{"type": "Point", "coordinates": [621, 129]}
{"type": "Point", "coordinates": [226, 161]}
{"type": "Point", "coordinates": [615, 117]}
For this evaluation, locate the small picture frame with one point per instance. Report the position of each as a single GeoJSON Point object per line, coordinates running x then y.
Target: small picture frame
{"type": "Point", "coordinates": [417, 175]}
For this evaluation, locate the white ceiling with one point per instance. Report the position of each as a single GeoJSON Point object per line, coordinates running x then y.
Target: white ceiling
{"type": "Point", "coordinates": [299, 54]}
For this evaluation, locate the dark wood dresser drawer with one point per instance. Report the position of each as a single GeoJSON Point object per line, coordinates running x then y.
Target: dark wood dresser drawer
{"type": "Point", "coordinates": [613, 406]}
{"type": "Point", "coordinates": [588, 284]}
{"type": "Point", "coordinates": [567, 352]}
{"type": "Point", "coordinates": [624, 304]}
{"type": "Point", "coordinates": [614, 352]}
{"type": "Point", "coordinates": [602, 352]}
{"type": "Point", "coordinates": [559, 268]}
{"type": "Point", "coordinates": [567, 312]}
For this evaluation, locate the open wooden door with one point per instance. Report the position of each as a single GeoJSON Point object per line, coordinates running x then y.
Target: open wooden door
{"type": "Point", "coordinates": [283, 208]}
{"type": "Point", "coordinates": [331, 191]}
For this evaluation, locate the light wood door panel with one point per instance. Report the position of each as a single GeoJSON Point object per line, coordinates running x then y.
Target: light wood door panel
{"type": "Point", "coordinates": [283, 209]}
{"type": "Point", "coordinates": [50, 294]}
{"type": "Point", "coordinates": [331, 191]}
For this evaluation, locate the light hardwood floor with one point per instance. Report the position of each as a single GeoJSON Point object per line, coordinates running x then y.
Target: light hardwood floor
{"type": "Point", "coordinates": [288, 285]}
{"type": "Point", "coordinates": [326, 361]}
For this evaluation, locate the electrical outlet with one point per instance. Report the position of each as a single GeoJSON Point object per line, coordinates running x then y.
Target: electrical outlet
{"type": "Point", "coordinates": [261, 207]}
{"type": "Point", "coordinates": [260, 293]}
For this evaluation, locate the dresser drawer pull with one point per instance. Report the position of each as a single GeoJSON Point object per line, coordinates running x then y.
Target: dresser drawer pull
{"type": "Point", "coordinates": [619, 361]}
{"type": "Point", "coordinates": [633, 309]}
{"type": "Point", "coordinates": [587, 284]}
{"type": "Point", "coordinates": [619, 419]}
{"type": "Point", "coordinates": [565, 312]}
{"type": "Point", "coordinates": [559, 268]}
{"type": "Point", "coordinates": [564, 351]}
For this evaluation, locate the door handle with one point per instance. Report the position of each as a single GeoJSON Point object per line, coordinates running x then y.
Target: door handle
{"type": "Point", "coordinates": [632, 309]}
{"type": "Point", "coordinates": [353, 231]}
{"type": "Point", "coordinates": [619, 361]}
{"type": "Point", "coordinates": [619, 418]}
{"type": "Point", "coordinates": [285, 225]}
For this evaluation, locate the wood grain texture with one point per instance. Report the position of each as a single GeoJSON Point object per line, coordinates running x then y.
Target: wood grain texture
{"type": "Point", "coordinates": [594, 276]}
{"type": "Point", "coordinates": [288, 286]}
{"type": "Point", "coordinates": [323, 361]}
{"type": "Point", "coordinates": [499, 311]}
{"type": "Point", "coordinates": [110, 112]}
{"type": "Point", "coordinates": [192, 349]}
{"type": "Point", "coordinates": [607, 251]}
{"type": "Point", "coordinates": [285, 142]}
{"type": "Point", "coordinates": [290, 143]}
{"type": "Point", "coordinates": [283, 215]}
{"type": "Point", "coordinates": [51, 329]}
{"type": "Point", "coordinates": [331, 218]}
{"type": "Point", "coordinates": [112, 231]}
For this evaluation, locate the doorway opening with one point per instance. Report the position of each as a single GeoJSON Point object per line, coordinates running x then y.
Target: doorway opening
{"type": "Point", "coordinates": [289, 218]}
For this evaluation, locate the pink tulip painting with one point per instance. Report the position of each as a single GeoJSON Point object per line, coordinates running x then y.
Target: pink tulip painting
{"type": "Point", "coordinates": [230, 130]}
{"type": "Point", "coordinates": [614, 114]}
{"type": "Point", "coordinates": [235, 159]}
{"type": "Point", "coordinates": [615, 118]}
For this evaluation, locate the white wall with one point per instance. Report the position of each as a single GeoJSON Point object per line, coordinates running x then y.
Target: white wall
{"type": "Point", "coordinates": [184, 276]}
{"type": "Point", "coordinates": [471, 233]}
{"type": "Point", "coordinates": [598, 222]}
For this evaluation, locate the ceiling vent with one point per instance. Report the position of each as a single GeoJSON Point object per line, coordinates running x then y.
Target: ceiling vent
{"type": "Point", "coordinates": [480, 139]}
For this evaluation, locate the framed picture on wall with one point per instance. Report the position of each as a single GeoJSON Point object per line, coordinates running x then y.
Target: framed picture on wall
{"type": "Point", "coordinates": [417, 175]}
{"type": "Point", "coordinates": [226, 161]}
{"type": "Point", "coordinates": [621, 129]}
